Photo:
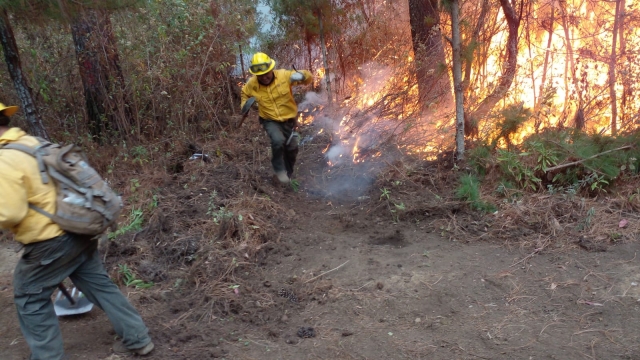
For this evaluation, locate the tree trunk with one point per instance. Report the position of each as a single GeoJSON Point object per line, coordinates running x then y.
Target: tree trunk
{"type": "Point", "coordinates": [428, 50]}
{"type": "Point", "coordinates": [324, 59]}
{"type": "Point", "coordinates": [627, 89]}
{"type": "Point", "coordinates": [457, 78]}
{"type": "Point", "coordinates": [107, 104]}
{"type": "Point", "coordinates": [612, 72]}
{"type": "Point", "coordinates": [547, 53]}
{"type": "Point", "coordinates": [241, 61]}
{"type": "Point", "coordinates": [508, 69]}
{"type": "Point", "coordinates": [12, 58]}
{"type": "Point", "coordinates": [484, 11]}
{"type": "Point", "coordinates": [308, 40]}
{"type": "Point", "coordinates": [569, 64]}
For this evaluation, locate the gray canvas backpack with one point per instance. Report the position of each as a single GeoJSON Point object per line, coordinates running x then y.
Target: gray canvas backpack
{"type": "Point", "coordinates": [85, 204]}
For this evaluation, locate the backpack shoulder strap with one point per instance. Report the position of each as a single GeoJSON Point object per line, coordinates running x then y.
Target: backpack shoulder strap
{"type": "Point", "coordinates": [40, 211]}
{"type": "Point", "coordinates": [21, 147]}
{"type": "Point", "coordinates": [33, 152]}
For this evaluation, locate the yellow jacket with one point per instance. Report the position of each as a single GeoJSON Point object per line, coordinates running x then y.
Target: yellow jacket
{"type": "Point", "coordinates": [275, 101]}
{"type": "Point", "coordinates": [20, 185]}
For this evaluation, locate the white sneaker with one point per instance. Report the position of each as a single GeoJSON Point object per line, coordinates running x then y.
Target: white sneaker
{"type": "Point", "coordinates": [282, 176]}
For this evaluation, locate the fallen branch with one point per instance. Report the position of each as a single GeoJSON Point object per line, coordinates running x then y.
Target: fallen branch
{"type": "Point", "coordinates": [583, 160]}
{"type": "Point", "coordinates": [326, 272]}
{"type": "Point", "coordinates": [528, 256]}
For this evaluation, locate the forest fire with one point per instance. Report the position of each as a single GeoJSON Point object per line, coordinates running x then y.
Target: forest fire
{"type": "Point", "coordinates": [574, 70]}
{"type": "Point", "coordinates": [566, 73]}
{"type": "Point", "coordinates": [361, 123]}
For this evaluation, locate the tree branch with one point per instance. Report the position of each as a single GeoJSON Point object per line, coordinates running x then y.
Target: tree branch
{"type": "Point", "coordinates": [589, 158]}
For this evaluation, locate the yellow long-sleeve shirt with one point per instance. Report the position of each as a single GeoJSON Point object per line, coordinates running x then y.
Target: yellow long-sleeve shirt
{"type": "Point", "coordinates": [21, 185]}
{"type": "Point", "coordinates": [275, 101]}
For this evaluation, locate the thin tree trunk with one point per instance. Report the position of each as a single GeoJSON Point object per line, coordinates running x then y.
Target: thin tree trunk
{"type": "Point", "coordinates": [612, 72]}
{"type": "Point", "coordinates": [508, 69]}
{"type": "Point", "coordinates": [545, 66]}
{"type": "Point", "coordinates": [484, 11]}
{"type": "Point", "coordinates": [569, 64]}
{"type": "Point", "coordinates": [12, 58]}
{"type": "Point", "coordinates": [324, 59]}
{"type": "Point", "coordinates": [339, 88]}
{"type": "Point", "coordinates": [532, 69]}
{"type": "Point", "coordinates": [428, 50]}
{"type": "Point", "coordinates": [241, 61]}
{"type": "Point", "coordinates": [626, 84]}
{"type": "Point", "coordinates": [309, 53]}
{"type": "Point", "coordinates": [457, 78]}
{"type": "Point", "coordinates": [107, 103]}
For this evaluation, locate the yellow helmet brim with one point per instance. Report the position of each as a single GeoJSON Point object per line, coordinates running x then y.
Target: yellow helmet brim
{"type": "Point", "coordinates": [8, 110]}
{"type": "Point", "coordinates": [257, 70]}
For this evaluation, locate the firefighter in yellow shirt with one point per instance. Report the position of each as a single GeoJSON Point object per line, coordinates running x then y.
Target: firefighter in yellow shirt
{"type": "Point", "coordinates": [51, 255]}
{"type": "Point", "coordinates": [277, 109]}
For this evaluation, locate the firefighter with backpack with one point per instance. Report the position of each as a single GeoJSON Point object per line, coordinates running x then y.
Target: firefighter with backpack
{"type": "Point", "coordinates": [35, 198]}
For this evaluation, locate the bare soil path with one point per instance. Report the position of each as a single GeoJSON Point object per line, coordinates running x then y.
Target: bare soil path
{"type": "Point", "coordinates": [408, 294]}
{"type": "Point", "coordinates": [391, 291]}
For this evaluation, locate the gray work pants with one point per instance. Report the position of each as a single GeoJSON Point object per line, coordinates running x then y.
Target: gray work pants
{"type": "Point", "coordinates": [46, 264]}
{"type": "Point", "coordinates": [283, 155]}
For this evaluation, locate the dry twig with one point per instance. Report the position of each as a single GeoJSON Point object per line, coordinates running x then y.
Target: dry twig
{"type": "Point", "coordinates": [326, 272]}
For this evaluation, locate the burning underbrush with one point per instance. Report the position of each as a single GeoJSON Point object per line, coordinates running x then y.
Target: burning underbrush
{"type": "Point", "coordinates": [383, 116]}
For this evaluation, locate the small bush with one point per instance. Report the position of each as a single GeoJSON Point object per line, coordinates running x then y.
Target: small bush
{"type": "Point", "coordinates": [469, 190]}
{"type": "Point", "coordinates": [480, 159]}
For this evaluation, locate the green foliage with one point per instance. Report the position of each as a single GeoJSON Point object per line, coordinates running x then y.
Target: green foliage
{"type": "Point", "coordinates": [508, 190]}
{"type": "Point", "coordinates": [546, 157]}
{"type": "Point", "coordinates": [546, 109]}
{"type": "Point", "coordinates": [510, 122]}
{"type": "Point", "coordinates": [630, 164]}
{"type": "Point", "coordinates": [516, 170]}
{"type": "Point", "coordinates": [140, 154]}
{"type": "Point", "coordinates": [130, 280]}
{"type": "Point", "coordinates": [136, 218]}
{"type": "Point", "coordinates": [295, 185]}
{"type": "Point", "coordinates": [480, 158]}
{"type": "Point", "coordinates": [585, 223]}
{"type": "Point", "coordinates": [594, 182]}
{"type": "Point", "coordinates": [135, 184]}
{"type": "Point", "coordinates": [600, 160]}
{"type": "Point", "coordinates": [469, 190]}
{"type": "Point", "coordinates": [38, 10]}
{"type": "Point", "coordinates": [594, 162]}
{"type": "Point", "coordinates": [218, 213]}
{"type": "Point", "coordinates": [395, 211]}
{"type": "Point", "coordinates": [385, 194]}
{"type": "Point", "coordinates": [394, 208]}
{"type": "Point", "coordinates": [293, 15]}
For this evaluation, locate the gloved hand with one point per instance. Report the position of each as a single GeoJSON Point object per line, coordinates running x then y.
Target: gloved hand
{"type": "Point", "coordinates": [297, 76]}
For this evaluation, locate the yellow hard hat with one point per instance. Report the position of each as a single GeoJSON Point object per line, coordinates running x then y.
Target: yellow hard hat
{"type": "Point", "coordinates": [261, 64]}
{"type": "Point", "coordinates": [8, 110]}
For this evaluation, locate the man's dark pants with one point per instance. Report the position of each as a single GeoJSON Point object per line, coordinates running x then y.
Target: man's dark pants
{"type": "Point", "coordinates": [283, 156]}
{"type": "Point", "coordinates": [46, 264]}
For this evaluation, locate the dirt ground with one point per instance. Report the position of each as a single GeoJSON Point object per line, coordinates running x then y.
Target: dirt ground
{"type": "Point", "coordinates": [373, 289]}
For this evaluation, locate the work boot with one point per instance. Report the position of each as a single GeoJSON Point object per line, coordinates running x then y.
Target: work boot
{"type": "Point", "coordinates": [282, 177]}
{"type": "Point", "coordinates": [119, 348]}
